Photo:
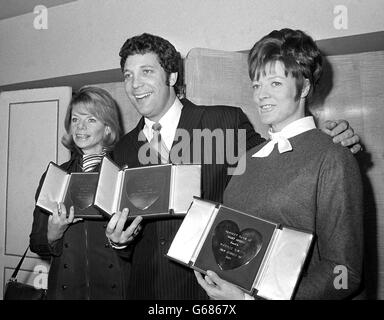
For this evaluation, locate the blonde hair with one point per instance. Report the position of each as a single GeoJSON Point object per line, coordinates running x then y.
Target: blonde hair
{"type": "Point", "coordinates": [101, 105]}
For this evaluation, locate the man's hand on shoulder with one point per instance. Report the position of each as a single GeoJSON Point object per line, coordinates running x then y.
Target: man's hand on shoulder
{"type": "Point", "coordinates": [342, 133]}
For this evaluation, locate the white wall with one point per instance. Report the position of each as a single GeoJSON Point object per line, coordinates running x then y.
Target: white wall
{"type": "Point", "coordinates": [86, 35]}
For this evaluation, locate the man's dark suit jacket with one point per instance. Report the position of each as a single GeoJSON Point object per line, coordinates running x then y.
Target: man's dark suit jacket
{"type": "Point", "coordinates": [153, 275]}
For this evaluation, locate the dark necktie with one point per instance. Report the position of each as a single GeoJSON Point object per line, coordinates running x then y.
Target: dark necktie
{"type": "Point", "coordinates": [158, 144]}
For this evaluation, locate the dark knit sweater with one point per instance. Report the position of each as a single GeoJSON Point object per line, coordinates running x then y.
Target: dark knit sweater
{"type": "Point", "coordinates": [316, 187]}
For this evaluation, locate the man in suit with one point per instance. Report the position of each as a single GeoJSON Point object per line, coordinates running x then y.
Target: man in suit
{"type": "Point", "coordinates": [150, 65]}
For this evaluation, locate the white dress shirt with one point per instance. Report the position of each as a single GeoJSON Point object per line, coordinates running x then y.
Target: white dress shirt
{"type": "Point", "coordinates": [169, 122]}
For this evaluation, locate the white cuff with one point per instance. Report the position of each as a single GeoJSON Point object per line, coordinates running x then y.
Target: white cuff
{"type": "Point", "coordinates": [115, 245]}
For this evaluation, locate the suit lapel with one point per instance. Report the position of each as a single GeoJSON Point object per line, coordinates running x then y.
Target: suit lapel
{"type": "Point", "coordinates": [138, 143]}
{"type": "Point", "coordinates": [190, 118]}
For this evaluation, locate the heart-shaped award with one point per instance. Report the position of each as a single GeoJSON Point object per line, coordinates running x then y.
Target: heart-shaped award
{"type": "Point", "coordinates": [82, 195]}
{"type": "Point", "coordinates": [233, 248]}
{"type": "Point", "coordinates": [144, 190]}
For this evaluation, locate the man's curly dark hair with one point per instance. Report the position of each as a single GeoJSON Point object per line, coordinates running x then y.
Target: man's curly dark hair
{"type": "Point", "coordinates": [168, 57]}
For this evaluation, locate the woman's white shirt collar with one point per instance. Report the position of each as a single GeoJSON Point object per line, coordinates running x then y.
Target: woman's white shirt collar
{"type": "Point", "coordinates": [281, 138]}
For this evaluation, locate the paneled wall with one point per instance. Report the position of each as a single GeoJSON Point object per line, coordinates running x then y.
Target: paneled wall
{"type": "Point", "coordinates": [86, 36]}
{"type": "Point", "coordinates": [31, 127]}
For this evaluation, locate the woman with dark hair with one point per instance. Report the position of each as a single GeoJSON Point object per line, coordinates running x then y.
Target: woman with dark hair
{"type": "Point", "coordinates": [299, 177]}
{"type": "Point", "coordinates": [83, 266]}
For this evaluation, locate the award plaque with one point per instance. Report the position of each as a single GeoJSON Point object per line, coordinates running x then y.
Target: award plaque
{"type": "Point", "coordinates": [146, 190]}
{"type": "Point", "coordinates": [151, 191]}
{"type": "Point", "coordinates": [81, 194]}
{"type": "Point", "coordinates": [233, 248]}
{"type": "Point", "coordinates": [75, 189]}
{"type": "Point", "coordinates": [250, 252]}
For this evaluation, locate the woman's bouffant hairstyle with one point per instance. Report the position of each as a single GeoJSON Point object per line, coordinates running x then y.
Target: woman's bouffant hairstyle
{"type": "Point", "coordinates": [99, 103]}
{"type": "Point", "coordinates": [168, 57]}
{"type": "Point", "coordinates": [296, 50]}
